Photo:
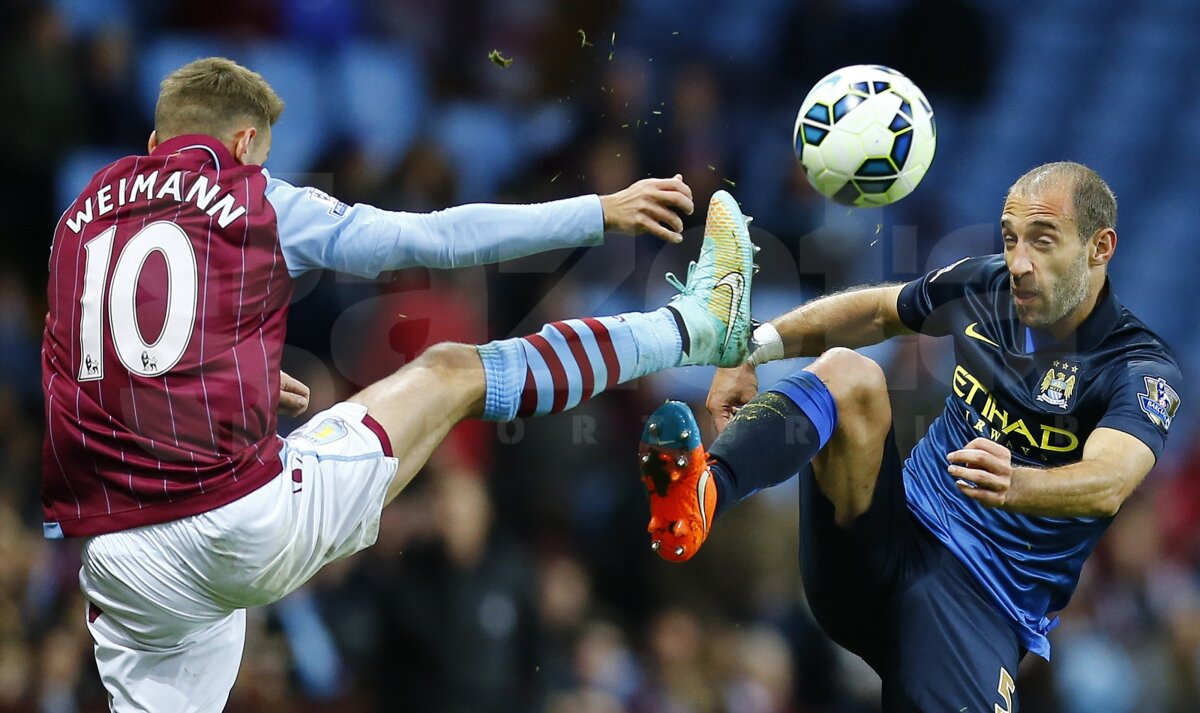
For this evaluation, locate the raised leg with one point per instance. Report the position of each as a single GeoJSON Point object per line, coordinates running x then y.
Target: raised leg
{"type": "Point", "coordinates": [419, 404]}
{"type": "Point", "coordinates": [568, 362]}
{"type": "Point", "coordinates": [847, 466]}
{"type": "Point", "coordinates": [835, 415]}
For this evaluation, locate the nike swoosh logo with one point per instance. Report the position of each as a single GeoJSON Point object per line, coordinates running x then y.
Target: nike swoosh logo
{"type": "Point", "coordinates": [974, 334]}
{"type": "Point", "coordinates": [737, 285]}
{"type": "Point", "coordinates": [701, 486]}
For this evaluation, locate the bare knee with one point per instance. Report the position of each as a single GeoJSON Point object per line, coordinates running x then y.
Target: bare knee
{"type": "Point", "coordinates": [846, 468]}
{"type": "Point", "coordinates": [447, 375]}
{"type": "Point", "coordinates": [858, 387]}
{"type": "Point", "coordinates": [449, 358]}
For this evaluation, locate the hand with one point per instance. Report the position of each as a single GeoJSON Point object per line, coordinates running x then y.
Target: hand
{"type": "Point", "coordinates": [293, 395]}
{"type": "Point", "coordinates": [651, 206]}
{"type": "Point", "coordinates": [731, 389]}
{"type": "Point", "coordinates": [985, 473]}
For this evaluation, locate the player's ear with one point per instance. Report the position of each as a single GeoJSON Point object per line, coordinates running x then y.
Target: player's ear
{"type": "Point", "coordinates": [153, 142]}
{"type": "Point", "coordinates": [243, 144]}
{"type": "Point", "coordinates": [1102, 246]}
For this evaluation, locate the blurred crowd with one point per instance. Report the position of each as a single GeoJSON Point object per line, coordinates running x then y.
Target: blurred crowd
{"type": "Point", "coordinates": [514, 574]}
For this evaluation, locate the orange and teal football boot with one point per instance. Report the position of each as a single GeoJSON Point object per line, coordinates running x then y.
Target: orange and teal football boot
{"type": "Point", "coordinates": [682, 492]}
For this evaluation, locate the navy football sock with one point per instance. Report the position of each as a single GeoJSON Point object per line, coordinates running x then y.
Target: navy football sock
{"type": "Point", "coordinates": [772, 437]}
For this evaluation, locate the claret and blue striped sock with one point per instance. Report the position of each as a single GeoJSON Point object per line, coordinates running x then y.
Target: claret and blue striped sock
{"type": "Point", "coordinates": [571, 361]}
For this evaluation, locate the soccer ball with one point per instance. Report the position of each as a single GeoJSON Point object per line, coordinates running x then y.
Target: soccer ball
{"type": "Point", "coordinates": [865, 135]}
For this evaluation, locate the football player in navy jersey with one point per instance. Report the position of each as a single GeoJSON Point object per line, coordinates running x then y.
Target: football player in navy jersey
{"type": "Point", "coordinates": [941, 570]}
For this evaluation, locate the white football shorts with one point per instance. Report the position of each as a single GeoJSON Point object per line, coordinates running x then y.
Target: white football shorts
{"type": "Point", "coordinates": [166, 602]}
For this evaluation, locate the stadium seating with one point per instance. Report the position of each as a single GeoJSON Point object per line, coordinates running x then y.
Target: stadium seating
{"type": "Point", "coordinates": [165, 54]}
{"type": "Point", "coordinates": [382, 104]}
{"type": "Point", "coordinates": [299, 135]}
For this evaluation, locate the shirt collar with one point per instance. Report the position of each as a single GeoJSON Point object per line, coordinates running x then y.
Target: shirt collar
{"type": "Point", "coordinates": [1101, 322]}
{"type": "Point", "coordinates": [197, 142]}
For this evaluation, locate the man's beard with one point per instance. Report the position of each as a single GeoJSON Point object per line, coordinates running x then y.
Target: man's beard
{"type": "Point", "coordinates": [1070, 292]}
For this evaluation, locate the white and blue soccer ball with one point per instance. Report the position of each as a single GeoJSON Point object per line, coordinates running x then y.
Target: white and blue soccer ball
{"type": "Point", "coordinates": [865, 135]}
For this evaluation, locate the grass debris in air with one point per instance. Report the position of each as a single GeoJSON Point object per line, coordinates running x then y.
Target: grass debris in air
{"type": "Point", "coordinates": [498, 59]}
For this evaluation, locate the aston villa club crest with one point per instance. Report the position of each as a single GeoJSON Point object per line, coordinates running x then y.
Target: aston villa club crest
{"type": "Point", "coordinates": [1160, 402]}
{"type": "Point", "coordinates": [1058, 385]}
{"type": "Point", "coordinates": [327, 431]}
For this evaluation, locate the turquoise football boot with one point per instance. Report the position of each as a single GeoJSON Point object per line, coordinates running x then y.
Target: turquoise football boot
{"type": "Point", "coordinates": [715, 301]}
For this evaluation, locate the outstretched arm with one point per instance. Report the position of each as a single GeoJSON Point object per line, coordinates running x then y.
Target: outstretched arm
{"type": "Point", "coordinates": [651, 205]}
{"type": "Point", "coordinates": [1113, 465]}
{"type": "Point", "coordinates": [855, 318]}
{"type": "Point", "coordinates": [318, 231]}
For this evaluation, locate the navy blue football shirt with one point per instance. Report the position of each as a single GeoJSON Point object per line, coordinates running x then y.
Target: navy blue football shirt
{"type": "Point", "coordinates": [1041, 398]}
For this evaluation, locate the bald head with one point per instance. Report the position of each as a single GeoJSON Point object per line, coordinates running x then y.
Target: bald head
{"type": "Point", "coordinates": [1094, 202]}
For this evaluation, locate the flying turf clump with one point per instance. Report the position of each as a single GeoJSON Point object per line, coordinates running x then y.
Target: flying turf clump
{"type": "Point", "coordinates": [498, 59]}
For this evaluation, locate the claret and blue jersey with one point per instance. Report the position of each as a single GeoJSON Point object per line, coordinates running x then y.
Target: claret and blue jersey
{"type": "Point", "coordinates": [170, 280]}
{"type": "Point", "coordinates": [1041, 398]}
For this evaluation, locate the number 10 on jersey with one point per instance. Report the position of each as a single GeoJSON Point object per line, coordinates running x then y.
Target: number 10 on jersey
{"type": "Point", "coordinates": [135, 353]}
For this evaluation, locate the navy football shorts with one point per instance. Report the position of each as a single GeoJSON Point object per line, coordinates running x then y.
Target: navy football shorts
{"type": "Point", "coordinates": [888, 591]}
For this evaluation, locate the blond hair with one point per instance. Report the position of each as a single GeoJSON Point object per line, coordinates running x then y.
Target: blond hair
{"type": "Point", "coordinates": [209, 96]}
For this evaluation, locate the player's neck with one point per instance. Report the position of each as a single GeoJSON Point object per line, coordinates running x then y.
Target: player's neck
{"type": "Point", "coordinates": [1072, 321]}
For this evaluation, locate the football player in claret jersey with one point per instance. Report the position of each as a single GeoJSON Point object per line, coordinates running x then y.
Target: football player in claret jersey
{"type": "Point", "coordinates": [944, 569]}
{"type": "Point", "coordinates": [170, 278]}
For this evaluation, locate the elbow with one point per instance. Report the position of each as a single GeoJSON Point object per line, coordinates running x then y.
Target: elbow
{"type": "Point", "coordinates": [1106, 508]}
{"type": "Point", "coordinates": [887, 322]}
{"type": "Point", "coordinates": [1109, 504]}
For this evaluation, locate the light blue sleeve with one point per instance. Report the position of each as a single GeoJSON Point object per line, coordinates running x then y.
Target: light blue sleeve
{"type": "Point", "coordinates": [317, 230]}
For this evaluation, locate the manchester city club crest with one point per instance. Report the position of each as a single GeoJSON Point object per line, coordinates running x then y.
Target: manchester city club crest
{"type": "Point", "coordinates": [1160, 402]}
{"type": "Point", "coordinates": [1058, 385]}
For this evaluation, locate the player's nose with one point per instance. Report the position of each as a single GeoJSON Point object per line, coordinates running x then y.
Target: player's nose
{"type": "Point", "coordinates": [1019, 263]}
